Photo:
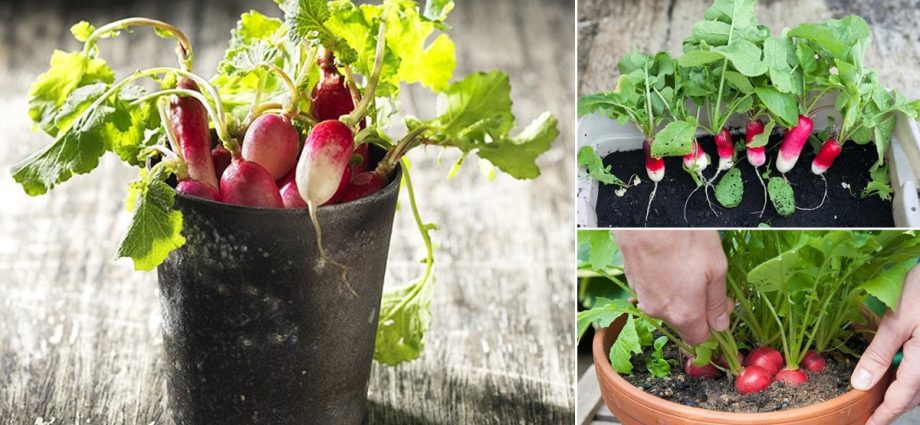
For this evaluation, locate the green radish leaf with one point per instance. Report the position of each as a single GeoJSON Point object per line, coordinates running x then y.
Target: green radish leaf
{"type": "Point", "coordinates": [699, 58]}
{"type": "Point", "coordinates": [156, 229]}
{"type": "Point", "coordinates": [887, 285]}
{"type": "Point", "coordinates": [763, 138]}
{"type": "Point", "coordinates": [782, 196]}
{"type": "Point", "coordinates": [656, 364]}
{"type": "Point", "coordinates": [68, 72]}
{"type": "Point", "coordinates": [675, 139]}
{"type": "Point", "coordinates": [624, 347]}
{"type": "Point", "coordinates": [474, 114]}
{"type": "Point", "coordinates": [82, 31]}
{"type": "Point", "coordinates": [405, 316]}
{"type": "Point", "coordinates": [745, 57]}
{"type": "Point", "coordinates": [879, 183]}
{"type": "Point", "coordinates": [603, 248]}
{"type": "Point", "coordinates": [883, 132]}
{"type": "Point", "coordinates": [782, 105]}
{"type": "Point", "coordinates": [306, 21]}
{"type": "Point", "coordinates": [775, 56]}
{"type": "Point", "coordinates": [437, 10]}
{"type": "Point", "coordinates": [592, 162]}
{"type": "Point", "coordinates": [603, 315]}
{"type": "Point", "coordinates": [739, 81]}
{"type": "Point", "coordinates": [730, 189]}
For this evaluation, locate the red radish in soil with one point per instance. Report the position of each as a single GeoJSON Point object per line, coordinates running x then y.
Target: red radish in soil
{"type": "Point", "coordinates": [290, 196]}
{"type": "Point", "coordinates": [696, 159]}
{"type": "Point", "coordinates": [330, 98]}
{"type": "Point", "coordinates": [792, 144]}
{"type": "Point", "coordinates": [826, 156]}
{"type": "Point", "coordinates": [813, 362]}
{"type": "Point", "coordinates": [249, 184]}
{"type": "Point", "coordinates": [189, 120]}
{"type": "Point", "coordinates": [726, 149]}
{"type": "Point", "coordinates": [755, 155]}
{"type": "Point", "coordinates": [222, 159]}
{"type": "Point", "coordinates": [272, 142]}
{"type": "Point", "coordinates": [792, 378]}
{"type": "Point", "coordinates": [654, 167]}
{"type": "Point", "coordinates": [363, 185]}
{"type": "Point", "coordinates": [765, 357]}
{"type": "Point", "coordinates": [326, 154]}
{"type": "Point", "coordinates": [752, 379]}
{"type": "Point", "coordinates": [198, 189]}
{"type": "Point", "coordinates": [706, 371]}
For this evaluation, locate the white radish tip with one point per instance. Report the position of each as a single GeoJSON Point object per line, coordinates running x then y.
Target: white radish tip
{"type": "Point", "coordinates": [655, 176]}
{"type": "Point", "coordinates": [756, 158]}
{"type": "Point", "coordinates": [817, 169]}
{"type": "Point", "coordinates": [783, 165]}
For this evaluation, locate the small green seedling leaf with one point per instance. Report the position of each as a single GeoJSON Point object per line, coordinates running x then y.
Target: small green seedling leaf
{"type": "Point", "coordinates": [624, 347]}
{"type": "Point", "coordinates": [730, 189]}
{"type": "Point", "coordinates": [656, 363]}
{"type": "Point", "coordinates": [879, 184]}
{"type": "Point", "coordinates": [592, 162]}
{"type": "Point", "coordinates": [782, 196]}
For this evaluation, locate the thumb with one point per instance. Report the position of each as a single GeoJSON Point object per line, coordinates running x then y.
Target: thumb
{"type": "Point", "coordinates": [878, 356]}
{"type": "Point", "coordinates": [717, 304]}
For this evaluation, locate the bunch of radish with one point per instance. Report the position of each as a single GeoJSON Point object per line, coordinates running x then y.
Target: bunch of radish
{"type": "Point", "coordinates": [260, 172]}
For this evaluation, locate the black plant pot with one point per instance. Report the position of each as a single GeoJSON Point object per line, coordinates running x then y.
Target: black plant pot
{"type": "Point", "coordinates": [255, 330]}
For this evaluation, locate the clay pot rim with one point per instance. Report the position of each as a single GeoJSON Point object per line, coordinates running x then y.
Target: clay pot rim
{"type": "Point", "coordinates": [604, 368]}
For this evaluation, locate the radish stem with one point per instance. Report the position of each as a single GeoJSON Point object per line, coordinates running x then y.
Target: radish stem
{"type": "Point", "coordinates": [353, 118]}
{"type": "Point", "coordinates": [184, 52]}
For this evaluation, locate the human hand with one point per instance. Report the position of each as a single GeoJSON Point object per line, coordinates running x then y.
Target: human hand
{"type": "Point", "coordinates": [900, 328]}
{"type": "Point", "coordinates": [679, 277]}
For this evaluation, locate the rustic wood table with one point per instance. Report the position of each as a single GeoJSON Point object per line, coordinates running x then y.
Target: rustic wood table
{"type": "Point", "coordinates": [609, 28]}
{"type": "Point", "coordinates": [80, 335]}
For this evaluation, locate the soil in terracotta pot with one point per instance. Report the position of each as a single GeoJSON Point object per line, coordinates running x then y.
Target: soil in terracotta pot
{"type": "Point", "coordinates": [844, 206]}
{"type": "Point", "coordinates": [720, 394]}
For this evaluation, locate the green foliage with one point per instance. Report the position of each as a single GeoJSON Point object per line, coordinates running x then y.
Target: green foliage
{"type": "Point", "coordinates": [782, 196]}
{"type": "Point", "coordinates": [592, 162]}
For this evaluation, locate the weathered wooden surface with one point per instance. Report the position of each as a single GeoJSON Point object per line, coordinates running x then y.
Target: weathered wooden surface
{"type": "Point", "coordinates": [609, 28]}
{"type": "Point", "coordinates": [79, 332]}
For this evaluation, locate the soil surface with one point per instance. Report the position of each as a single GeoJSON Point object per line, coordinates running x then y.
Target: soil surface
{"type": "Point", "coordinates": [720, 394]}
{"type": "Point", "coordinates": [844, 207]}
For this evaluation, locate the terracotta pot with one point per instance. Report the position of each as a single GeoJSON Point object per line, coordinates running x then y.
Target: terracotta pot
{"type": "Point", "coordinates": [636, 407]}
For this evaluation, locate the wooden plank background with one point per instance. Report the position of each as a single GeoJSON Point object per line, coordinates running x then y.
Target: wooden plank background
{"type": "Point", "coordinates": [79, 332]}
{"type": "Point", "coordinates": [609, 28]}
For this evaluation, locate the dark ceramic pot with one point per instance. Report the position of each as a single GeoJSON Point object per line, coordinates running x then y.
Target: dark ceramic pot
{"type": "Point", "coordinates": [256, 330]}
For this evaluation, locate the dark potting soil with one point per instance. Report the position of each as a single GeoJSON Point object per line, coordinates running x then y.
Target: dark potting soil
{"type": "Point", "coordinates": [720, 394]}
{"type": "Point", "coordinates": [844, 206]}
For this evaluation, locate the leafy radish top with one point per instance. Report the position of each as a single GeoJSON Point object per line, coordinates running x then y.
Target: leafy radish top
{"type": "Point", "coordinates": [271, 67]}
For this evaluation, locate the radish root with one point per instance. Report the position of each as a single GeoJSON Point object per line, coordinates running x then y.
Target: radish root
{"type": "Point", "coordinates": [822, 198]}
{"type": "Point", "coordinates": [323, 258]}
{"type": "Point", "coordinates": [650, 199]}
{"type": "Point", "coordinates": [760, 178]}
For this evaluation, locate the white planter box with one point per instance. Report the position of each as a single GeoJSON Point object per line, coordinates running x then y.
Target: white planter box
{"type": "Point", "coordinates": [607, 136]}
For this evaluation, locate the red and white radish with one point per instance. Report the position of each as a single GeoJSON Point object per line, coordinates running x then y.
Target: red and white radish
{"type": "Point", "coordinates": [707, 371]}
{"type": "Point", "coordinates": [753, 379]}
{"type": "Point", "coordinates": [654, 167]}
{"type": "Point", "coordinates": [813, 362]}
{"type": "Point", "coordinates": [826, 156]}
{"type": "Point", "coordinates": [725, 147]}
{"type": "Point", "coordinates": [792, 378]}
{"type": "Point", "coordinates": [756, 155]}
{"type": "Point", "coordinates": [198, 189]}
{"type": "Point", "coordinates": [326, 154]}
{"type": "Point", "coordinates": [697, 159]}
{"type": "Point", "coordinates": [247, 183]}
{"type": "Point", "coordinates": [272, 142]}
{"type": "Point", "coordinates": [765, 357]}
{"type": "Point", "coordinates": [330, 97]}
{"type": "Point", "coordinates": [189, 122]}
{"type": "Point", "coordinates": [793, 143]}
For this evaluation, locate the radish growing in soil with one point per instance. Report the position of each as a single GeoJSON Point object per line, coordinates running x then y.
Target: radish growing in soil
{"type": "Point", "coordinates": [767, 358]}
{"type": "Point", "coordinates": [707, 371]}
{"type": "Point", "coordinates": [792, 145]}
{"type": "Point", "coordinates": [813, 362]}
{"type": "Point", "coordinates": [695, 162]}
{"type": "Point", "coordinates": [756, 154]}
{"type": "Point", "coordinates": [753, 379]}
{"type": "Point", "coordinates": [654, 167]}
{"type": "Point", "coordinates": [792, 377]}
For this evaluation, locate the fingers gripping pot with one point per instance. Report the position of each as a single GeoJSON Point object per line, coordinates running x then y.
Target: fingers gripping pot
{"type": "Point", "coordinates": [256, 330]}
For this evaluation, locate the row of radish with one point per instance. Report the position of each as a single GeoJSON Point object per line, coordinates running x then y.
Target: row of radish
{"type": "Point", "coordinates": [262, 172]}
{"type": "Point", "coordinates": [762, 366]}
